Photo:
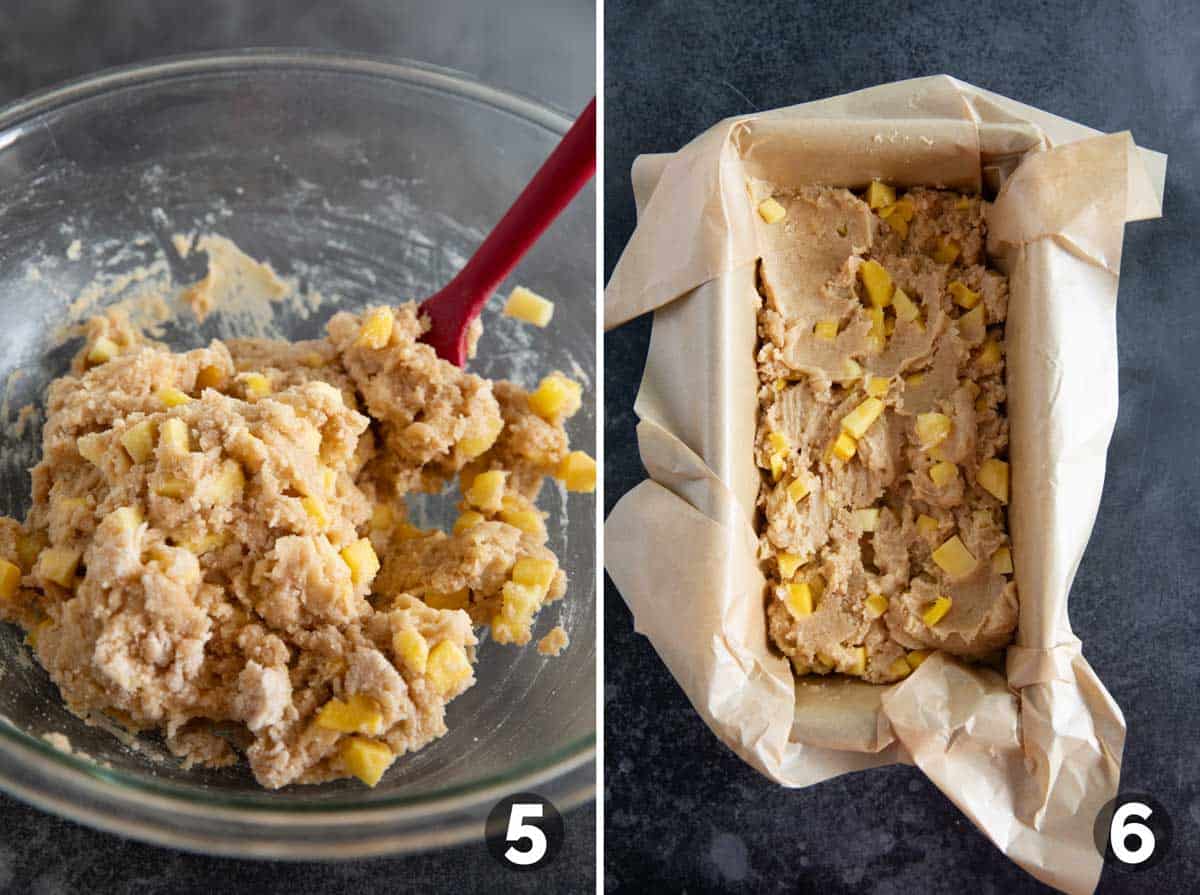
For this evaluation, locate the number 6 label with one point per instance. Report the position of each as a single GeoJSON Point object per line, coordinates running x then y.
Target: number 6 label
{"type": "Point", "coordinates": [1133, 831]}
{"type": "Point", "coordinates": [524, 831]}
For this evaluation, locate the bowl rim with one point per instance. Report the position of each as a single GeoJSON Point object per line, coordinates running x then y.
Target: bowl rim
{"type": "Point", "coordinates": [81, 790]}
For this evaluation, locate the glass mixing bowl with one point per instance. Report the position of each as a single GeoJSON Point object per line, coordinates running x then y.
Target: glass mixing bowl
{"type": "Point", "coordinates": [365, 180]}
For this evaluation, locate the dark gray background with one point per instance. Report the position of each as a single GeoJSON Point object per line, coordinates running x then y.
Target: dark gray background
{"type": "Point", "coordinates": [681, 811]}
{"type": "Point", "coordinates": [542, 48]}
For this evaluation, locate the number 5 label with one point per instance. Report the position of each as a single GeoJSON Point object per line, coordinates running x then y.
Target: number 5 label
{"type": "Point", "coordinates": [524, 831]}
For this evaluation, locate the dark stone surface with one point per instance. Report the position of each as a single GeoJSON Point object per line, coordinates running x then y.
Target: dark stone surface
{"type": "Point", "coordinates": [541, 48]}
{"type": "Point", "coordinates": [682, 812]}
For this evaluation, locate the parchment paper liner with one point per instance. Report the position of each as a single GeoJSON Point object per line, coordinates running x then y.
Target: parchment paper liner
{"type": "Point", "coordinates": [1030, 756]}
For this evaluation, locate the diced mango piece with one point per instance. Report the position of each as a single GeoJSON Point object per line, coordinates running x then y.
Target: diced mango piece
{"type": "Point", "coordinates": [906, 308]}
{"type": "Point", "coordinates": [365, 759]}
{"type": "Point", "coordinates": [875, 605]}
{"type": "Point", "coordinates": [771, 211]}
{"type": "Point", "coordinates": [916, 657]}
{"type": "Point", "coordinates": [947, 251]}
{"type": "Point", "coordinates": [936, 611]}
{"type": "Point", "coordinates": [826, 330]}
{"type": "Point", "coordinates": [914, 379]}
{"type": "Point", "coordinates": [866, 519]}
{"type": "Point", "coordinates": [359, 713]}
{"type": "Point", "coordinates": [932, 428]}
{"type": "Point", "coordinates": [851, 370]}
{"type": "Point", "coordinates": [878, 331]}
{"type": "Point", "coordinates": [902, 208]}
{"type": "Point", "coordinates": [1002, 563]}
{"type": "Point", "coordinates": [28, 548]}
{"type": "Point", "coordinates": [487, 491]}
{"type": "Point", "coordinates": [458, 599]}
{"type": "Point", "coordinates": [364, 564]}
{"type": "Point", "coordinates": [895, 220]}
{"type": "Point", "coordinates": [204, 543]}
{"type": "Point", "coordinates": [58, 564]}
{"type": "Point", "coordinates": [798, 597]}
{"type": "Point", "coordinates": [102, 351]}
{"type": "Point", "coordinates": [227, 485]}
{"type": "Point", "coordinates": [138, 441]}
{"type": "Point", "coordinates": [526, 305]}
{"type": "Point", "coordinates": [91, 448]}
{"type": "Point", "coordinates": [927, 526]}
{"type": "Point", "coordinates": [857, 664]}
{"type": "Point", "coordinates": [448, 667]}
{"type": "Point", "coordinates": [963, 296]}
{"type": "Point", "coordinates": [798, 489]}
{"type": "Point", "coordinates": [578, 472]}
{"type": "Point", "coordinates": [878, 283]}
{"type": "Point", "coordinates": [778, 464]}
{"type": "Point", "coordinates": [406, 531]}
{"type": "Point", "coordinates": [412, 648]}
{"type": "Point", "coordinates": [466, 521]}
{"type": "Point", "coordinates": [877, 386]}
{"type": "Point", "coordinates": [256, 384]}
{"type": "Point", "coordinates": [844, 447]}
{"type": "Point", "coordinates": [954, 558]}
{"type": "Point", "coordinates": [556, 397]}
{"type": "Point", "coordinates": [779, 443]}
{"type": "Point", "coordinates": [173, 488]}
{"type": "Point", "coordinates": [127, 518]}
{"type": "Point", "coordinates": [788, 564]}
{"type": "Point", "coordinates": [880, 194]}
{"type": "Point", "coordinates": [529, 571]}
{"type": "Point", "coordinates": [899, 667]}
{"type": "Point", "coordinates": [376, 329]}
{"type": "Point", "coordinates": [10, 579]}
{"type": "Point", "coordinates": [859, 420]}
{"type": "Point", "coordinates": [472, 446]}
{"type": "Point", "coordinates": [210, 377]}
{"type": "Point", "coordinates": [943, 473]}
{"type": "Point", "coordinates": [993, 478]}
{"type": "Point", "coordinates": [779, 385]}
{"type": "Point", "coordinates": [170, 396]}
{"type": "Point", "coordinates": [974, 321]}
{"type": "Point", "coordinates": [529, 521]}
{"type": "Point", "coordinates": [173, 436]}
{"type": "Point", "coordinates": [989, 353]}
{"type": "Point", "coordinates": [314, 507]}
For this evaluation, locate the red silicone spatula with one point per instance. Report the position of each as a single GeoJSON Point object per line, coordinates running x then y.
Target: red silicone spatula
{"type": "Point", "coordinates": [561, 176]}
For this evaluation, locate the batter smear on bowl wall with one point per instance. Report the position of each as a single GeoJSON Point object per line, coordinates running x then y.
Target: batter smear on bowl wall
{"type": "Point", "coordinates": [882, 433]}
{"type": "Point", "coordinates": [218, 547]}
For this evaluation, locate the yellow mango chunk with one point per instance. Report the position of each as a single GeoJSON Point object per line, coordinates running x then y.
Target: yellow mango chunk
{"type": "Point", "coordinates": [932, 428]}
{"type": "Point", "coordinates": [906, 308]}
{"type": "Point", "coordinates": [487, 491]}
{"type": "Point", "coordinates": [58, 564]}
{"type": "Point", "coordinates": [458, 599]}
{"type": "Point", "coordinates": [256, 384]}
{"type": "Point", "coordinates": [899, 668]}
{"type": "Point", "coordinates": [170, 397]}
{"type": "Point", "coordinates": [878, 331]}
{"type": "Point", "coordinates": [203, 544]}
{"type": "Point", "coordinates": [771, 211]}
{"type": "Point", "coordinates": [778, 464]}
{"type": "Point", "coordinates": [315, 508]}
{"type": "Point", "coordinates": [954, 558]}
{"type": "Point", "coordinates": [927, 526]}
{"type": "Point", "coordinates": [779, 443]}
{"type": "Point", "coordinates": [798, 489]}
{"type": "Point", "coordinates": [972, 322]}
{"type": "Point", "coordinates": [210, 377]}
{"type": "Point", "coordinates": [227, 486]}
{"type": "Point", "coordinates": [412, 648]}
{"type": "Point", "coordinates": [529, 521]}
{"type": "Point", "coordinates": [879, 194]}
{"type": "Point", "coordinates": [359, 713]}
{"type": "Point", "coordinates": [916, 657]}
{"type": "Point", "coordinates": [902, 208]}
{"type": "Point", "coordinates": [936, 611]}
{"type": "Point", "coordinates": [467, 521]}
{"type": "Point", "coordinates": [993, 478]}
{"type": "Point", "coordinates": [529, 571]}
{"type": "Point", "coordinates": [376, 329]}
{"type": "Point", "coordinates": [126, 518]}
{"type": "Point", "coordinates": [91, 448]}
{"type": "Point", "coordinates": [1002, 561]}
{"type": "Point", "coordinates": [10, 579]}
{"type": "Point", "coordinates": [176, 489]}
{"type": "Point", "coordinates": [914, 380]}
{"type": "Point", "coordinates": [878, 283]}
{"type": "Point", "coordinates": [365, 759]}
{"type": "Point", "coordinates": [989, 353]}
{"type": "Point", "coordinates": [578, 471]}
{"type": "Point", "coordinates": [859, 420]}
{"type": "Point", "coordinates": [798, 597]}
{"type": "Point", "coordinates": [788, 564]}
{"type": "Point", "coordinates": [877, 386]}
{"type": "Point", "coordinates": [364, 564]}
{"type": "Point", "coordinates": [851, 370]}
{"type": "Point", "coordinates": [529, 307]}
{"type": "Point", "coordinates": [875, 605]}
{"type": "Point", "coordinates": [943, 473]}
{"type": "Point", "coordinates": [947, 251]}
{"type": "Point", "coordinates": [28, 548]}
{"type": "Point", "coordinates": [448, 667]}
{"type": "Point", "coordinates": [556, 397]}
{"type": "Point", "coordinates": [138, 441]}
{"type": "Point", "coordinates": [173, 436]}
{"type": "Point", "coordinates": [102, 351]}
{"type": "Point", "coordinates": [895, 220]}
{"type": "Point", "coordinates": [779, 385]}
{"type": "Point", "coordinates": [826, 330]}
{"type": "Point", "coordinates": [963, 297]}
{"type": "Point", "coordinates": [867, 519]}
{"type": "Point", "coordinates": [857, 665]}
{"type": "Point", "coordinates": [844, 447]}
